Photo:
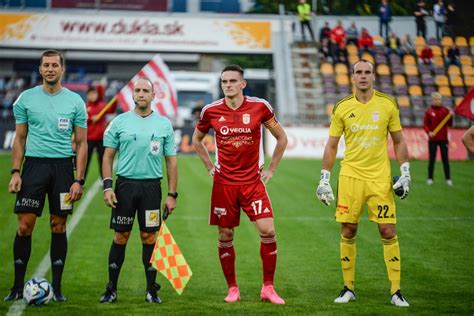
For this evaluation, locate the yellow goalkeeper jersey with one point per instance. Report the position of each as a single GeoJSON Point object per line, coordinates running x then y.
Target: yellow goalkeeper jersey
{"type": "Point", "coordinates": [365, 128]}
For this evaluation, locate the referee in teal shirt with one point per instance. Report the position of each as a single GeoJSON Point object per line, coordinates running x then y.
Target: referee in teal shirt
{"type": "Point", "coordinates": [141, 137]}
{"type": "Point", "coordinates": [46, 117]}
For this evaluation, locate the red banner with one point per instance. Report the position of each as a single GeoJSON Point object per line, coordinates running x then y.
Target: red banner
{"type": "Point", "coordinates": [417, 142]}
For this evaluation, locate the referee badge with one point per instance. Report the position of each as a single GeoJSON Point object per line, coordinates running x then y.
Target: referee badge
{"type": "Point", "coordinates": [152, 218]}
{"type": "Point", "coordinates": [63, 124]}
{"type": "Point", "coordinates": [65, 201]}
{"type": "Point", "coordinates": [155, 147]}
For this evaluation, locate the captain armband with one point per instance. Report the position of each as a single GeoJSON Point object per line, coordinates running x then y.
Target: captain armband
{"type": "Point", "coordinates": [271, 123]}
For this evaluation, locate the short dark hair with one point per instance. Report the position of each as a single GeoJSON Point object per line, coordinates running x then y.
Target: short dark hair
{"type": "Point", "coordinates": [52, 52]}
{"type": "Point", "coordinates": [233, 68]}
{"type": "Point", "coordinates": [146, 79]}
{"type": "Point", "coordinates": [362, 61]}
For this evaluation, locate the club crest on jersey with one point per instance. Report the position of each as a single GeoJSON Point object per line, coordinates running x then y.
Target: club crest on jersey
{"type": "Point", "coordinates": [375, 116]}
{"type": "Point", "coordinates": [246, 118]}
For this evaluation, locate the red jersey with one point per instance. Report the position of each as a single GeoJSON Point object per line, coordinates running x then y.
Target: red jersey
{"type": "Point", "coordinates": [433, 116]}
{"type": "Point", "coordinates": [96, 131]}
{"type": "Point", "coordinates": [238, 137]}
{"type": "Point", "coordinates": [338, 35]}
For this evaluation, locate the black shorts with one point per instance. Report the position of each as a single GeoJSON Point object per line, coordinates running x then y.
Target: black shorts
{"type": "Point", "coordinates": [140, 196]}
{"type": "Point", "coordinates": [41, 176]}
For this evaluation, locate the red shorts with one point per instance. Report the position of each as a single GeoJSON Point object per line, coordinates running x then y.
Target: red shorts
{"type": "Point", "coordinates": [227, 200]}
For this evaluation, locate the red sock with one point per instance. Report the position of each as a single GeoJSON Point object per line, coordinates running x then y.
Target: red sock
{"type": "Point", "coordinates": [227, 259]}
{"type": "Point", "coordinates": [268, 253]}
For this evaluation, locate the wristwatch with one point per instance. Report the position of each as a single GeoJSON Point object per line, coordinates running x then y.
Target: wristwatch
{"type": "Point", "coordinates": [174, 195]}
{"type": "Point", "coordinates": [14, 171]}
{"type": "Point", "coordinates": [80, 181]}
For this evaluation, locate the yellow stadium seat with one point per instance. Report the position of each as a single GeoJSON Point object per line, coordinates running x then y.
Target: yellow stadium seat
{"type": "Point", "coordinates": [458, 100]}
{"type": "Point", "coordinates": [445, 91]}
{"type": "Point", "coordinates": [415, 91]}
{"type": "Point", "coordinates": [467, 70]}
{"type": "Point", "coordinates": [368, 56]}
{"type": "Point", "coordinates": [454, 70]}
{"type": "Point", "coordinates": [329, 108]}
{"type": "Point", "coordinates": [403, 100]}
{"type": "Point", "coordinates": [378, 40]}
{"type": "Point", "coordinates": [419, 41]}
{"type": "Point", "coordinates": [352, 49]}
{"type": "Point", "coordinates": [326, 69]}
{"type": "Point", "coordinates": [441, 80]}
{"type": "Point", "coordinates": [436, 50]}
{"type": "Point", "coordinates": [456, 81]}
{"type": "Point", "coordinates": [460, 41]}
{"type": "Point", "coordinates": [438, 61]}
{"type": "Point", "coordinates": [465, 60]}
{"type": "Point", "coordinates": [447, 41]}
{"type": "Point", "coordinates": [411, 70]}
{"type": "Point", "coordinates": [353, 59]}
{"type": "Point", "coordinates": [383, 70]}
{"type": "Point", "coordinates": [341, 69]}
{"type": "Point", "coordinates": [409, 60]}
{"type": "Point", "coordinates": [471, 41]}
{"type": "Point", "coordinates": [418, 50]}
{"type": "Point", "coordinates": [469, 81]}
{"type": "Point", "coordinates": [399, 80]}
{"type": "Point", "coordinates": [342, 80]}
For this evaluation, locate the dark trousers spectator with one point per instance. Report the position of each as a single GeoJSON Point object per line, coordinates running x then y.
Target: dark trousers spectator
{"type": "Point", "coordinates": [449, 29]}
{"type": "Point", "coordinates": [421, 29]}
{"type": "Point", "coordinates": [387, 28]}
{"type": "Point", "coordinates": [98, 145]}
{"type": "Point", "coordinates": [443, 146]}
{"type": "Point", "coordinates": [306, 24]}
{"type": "Point", "coordinates": [440, 31]}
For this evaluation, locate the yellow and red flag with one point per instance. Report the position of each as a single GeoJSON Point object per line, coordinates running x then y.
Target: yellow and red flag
{"type": "Point", "coordinates": [168, 259]}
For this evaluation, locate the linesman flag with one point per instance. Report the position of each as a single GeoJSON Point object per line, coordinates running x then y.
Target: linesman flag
{"type": "Point", "coordinates": [166, 101]}
{"type": "Point", "coordinates": [168, 259]}
{"type": "Point", "coordinates": [466, 107]}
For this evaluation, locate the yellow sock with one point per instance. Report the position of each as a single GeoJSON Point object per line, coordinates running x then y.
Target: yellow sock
{"type": "Point", "coordinates": [348, 256]}
{"type": "Point", "coordinates": [391, 254]}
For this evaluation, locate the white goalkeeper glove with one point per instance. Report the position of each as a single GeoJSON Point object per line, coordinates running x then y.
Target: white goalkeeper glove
{"type": "Point", "coordinates": [403, 183]}
{"type": "Point", "coordinates": [324, 190]}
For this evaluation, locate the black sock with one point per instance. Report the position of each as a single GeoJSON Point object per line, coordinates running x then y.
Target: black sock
{"type": "Point", "coordinates": [150, 272]}
{"type": "Point", "coordinates": [58, 253]}
{"type": "Point", "coordinates": [21, 256]}
{"type": "Point", "coordinates": [116, 258]}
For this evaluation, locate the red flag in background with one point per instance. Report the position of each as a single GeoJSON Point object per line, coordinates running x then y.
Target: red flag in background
{"type": "Point", "coordinates": [466, 107]}
{"type": "Point", "coordinates": [166, 101]}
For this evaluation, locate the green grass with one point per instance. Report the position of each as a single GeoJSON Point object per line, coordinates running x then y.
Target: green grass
{"type": "Point", "coordinates": [435, 227]}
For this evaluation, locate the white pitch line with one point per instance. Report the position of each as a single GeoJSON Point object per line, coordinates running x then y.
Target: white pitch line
{"type": "Point", "coordinates": [19, 306]}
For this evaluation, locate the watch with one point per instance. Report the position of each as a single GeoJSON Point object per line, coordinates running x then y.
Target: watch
{"type": "Point", "coordinates": [14, 171]}
{"type": "Point", "coordinates": [174, 195]}
{"type": "Point", "coordinates": [80, 181]}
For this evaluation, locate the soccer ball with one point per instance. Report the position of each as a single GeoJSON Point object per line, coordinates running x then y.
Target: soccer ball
{"type": "Point", "coordinates": [37, 291]}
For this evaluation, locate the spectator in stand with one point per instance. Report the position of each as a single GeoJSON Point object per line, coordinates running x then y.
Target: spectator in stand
{"type": "Point", "coordinates": [385, 17]}
{"type": "Point", "coordinates": [338, 39]}
{"type": "Point", "coordinates": [420, 14]}
{"type": "Point", "coordinates": [96, 124]}
{"type": "Point", "coordinates": [352, 34]}
{"type": "Point", "coordinates": [365, 42]}
{"type": "Point", "coordinates": [434, 115]}
{"type": "Point", "coordinates": [450, 20]}
{"type": "Point", "coordinates": [304, 15]}
{"type": "Point", "coordinates": [406, 45]}
{"type": "Point", "coordinates": [325, 51]}
{"type": "Point", "coordinates": [453, 56]}
{"type": "Point", "coordinates": [393, 44]}
{"type": "Point", "coordinates": [439, 16]}
{"type": "Point", "coordinates": [426, 55]}
{"type": "Point", "coordinates": [325, 32]}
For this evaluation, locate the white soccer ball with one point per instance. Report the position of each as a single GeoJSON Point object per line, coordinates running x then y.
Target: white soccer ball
{"type": "Point", "coordinates": [37, 291]}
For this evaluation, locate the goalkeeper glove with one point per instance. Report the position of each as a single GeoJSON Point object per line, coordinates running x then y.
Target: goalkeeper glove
{"type": "Point", "coordinates": [403, 183]}
{"type": "Point", "coordinates": [324, 190]}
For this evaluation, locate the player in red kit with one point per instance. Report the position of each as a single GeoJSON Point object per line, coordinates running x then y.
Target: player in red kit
{"type": "Point", "coordinates": [239, 175]}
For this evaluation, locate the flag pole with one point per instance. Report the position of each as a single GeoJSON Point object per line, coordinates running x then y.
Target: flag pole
{"type": "Point", "coordinates": [106, 108]}
{"type": "Point", "coordinates": [441, 124]}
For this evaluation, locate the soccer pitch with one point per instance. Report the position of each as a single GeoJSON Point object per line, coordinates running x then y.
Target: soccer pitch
{"type": "Point", "coordinates": [435, 226]}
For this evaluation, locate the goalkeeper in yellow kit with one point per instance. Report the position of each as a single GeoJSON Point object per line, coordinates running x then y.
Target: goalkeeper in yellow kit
{"type": "Point", "coordinates": [365, 118]}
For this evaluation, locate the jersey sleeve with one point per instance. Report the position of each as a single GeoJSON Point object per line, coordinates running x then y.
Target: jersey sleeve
{"type": "Point", "coordinates": [269, 119]}
{"type": "Point", "coordinates": [111, 137]}
{"type": "Point", "coordinates": [204, 123]}
{"type": "Point", "coordinates": [19, 111]}
{"type": "Point", "coordinates": [394, 124]}
{"type": "Point", "coordinates": [169, 148]}
{"type": "Point", "coordinates": [80, 118]}
{"type": "Point", "coordinates": [337, 125]}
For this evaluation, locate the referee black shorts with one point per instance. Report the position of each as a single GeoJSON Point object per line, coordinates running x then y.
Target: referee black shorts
{"type": "Point", "coordinates": [137, 196]}
{"type": "Point", "coordinates": [41, 176]}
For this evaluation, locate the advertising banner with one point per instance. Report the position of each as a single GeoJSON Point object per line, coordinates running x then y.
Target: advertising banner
{"type": "Point", "coordinates": [135, 33]}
